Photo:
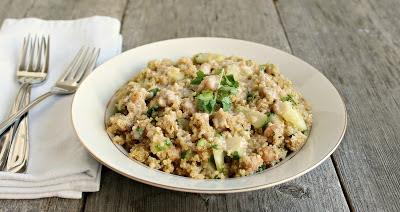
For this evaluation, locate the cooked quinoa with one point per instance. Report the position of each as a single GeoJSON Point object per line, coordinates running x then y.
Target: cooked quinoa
{"type": "Point", "coordinates": [209, 116]}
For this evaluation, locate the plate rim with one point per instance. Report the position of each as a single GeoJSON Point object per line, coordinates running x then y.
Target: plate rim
{"type": "Point", "coordinates": [219, 191]}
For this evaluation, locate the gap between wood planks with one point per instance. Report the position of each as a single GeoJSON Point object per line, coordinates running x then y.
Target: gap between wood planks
{"type": "Point", "coordinates": [348, 200]}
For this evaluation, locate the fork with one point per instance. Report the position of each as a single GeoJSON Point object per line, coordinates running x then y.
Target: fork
{"type": "Point", "coordinates": [27, 75]}
{"type": "Point", "coordinates": [76, 72]}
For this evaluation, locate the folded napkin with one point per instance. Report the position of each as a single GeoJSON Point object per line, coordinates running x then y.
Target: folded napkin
{"type": "Point", "coordinates": [59, 164]}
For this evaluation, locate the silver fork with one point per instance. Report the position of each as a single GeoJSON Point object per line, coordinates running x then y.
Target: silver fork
{"type": "Point", "coordinates": [27, 74]}
{"type": "Point", "coordinates": [80, 67]}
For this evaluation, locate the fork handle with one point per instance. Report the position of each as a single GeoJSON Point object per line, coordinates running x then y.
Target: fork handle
{"type": "Point", "coordinates": [7, 137]}
{"type": "Point", "coordinates": [19, 151]}
{"type": "Point", "coordinates": [14, 117]}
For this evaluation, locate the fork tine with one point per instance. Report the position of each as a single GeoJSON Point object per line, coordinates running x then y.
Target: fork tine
{"type": "Point", "coordinates": [23, 53]}
{"type": "Point", "coordinates": [46, 55]}
{"type": "Point", "coordinates": [71, 65]}
{"type": "Point", "coordinates": [78, 65]}
{"type": "Point", "coordinates": [91, 66]}
{"type": "Point", "coordinates": [30, 61]}
{"type": "Point", "coordinates": [84, 66]}
{"type": "Point", "coordinates": [39, 54]}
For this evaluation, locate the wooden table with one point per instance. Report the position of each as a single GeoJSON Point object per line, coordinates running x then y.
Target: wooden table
{"type": "Point", "coordinates": [355, 43]}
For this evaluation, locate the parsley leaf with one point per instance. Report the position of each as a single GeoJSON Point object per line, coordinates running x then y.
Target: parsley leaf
{"type": "Point", "coordinates": [201, 142]}
{"type": "Point", "coordinates": [251, 97]}
{"type": "Point", "coordinates": [236, 155]}
{"type": "Point", "coordinates": [140, 131]}
{"type": "Point", "coordinates": [211, 158]}
{"type": "Point", "coordinates": [167, 143]}
{"type": "Point", "coordinates": [262, 69]}
{"type": "Point", "coordinates": [205, 101]}
{"type": "Point", "coordinates": [160, 148]}
{"type": "Point", "coordinates": [226, 102]}
{"type": "Point", "coordinates": [289, 98]}
{"type": "Point", "coordinates": [154, 91]}
{"type": "Point", "coordinates": [152, 109]}
{"type": "Point", "coordinates": [117, 110]}
{"type": "Point", "coordinates": [230, 81]}
{"type": "Point", "coordinates": [200, 76]}
{"type": "Point", "coordinates": [261, 168]}
{"type": "Point", "coordinates": [185, 154]}
{"type": "Point", "coordinates": [214, 146]}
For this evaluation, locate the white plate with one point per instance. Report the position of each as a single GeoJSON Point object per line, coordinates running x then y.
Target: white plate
{"type": "Point", "coordinates": [91, 99]}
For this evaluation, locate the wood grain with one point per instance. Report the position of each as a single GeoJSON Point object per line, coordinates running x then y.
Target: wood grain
{"type": "Point", "coordinates": [356, 45]}
{"type": "Point", "coordinates": [150, 21]}
{"type": "Point", "coordinates": [55, 9]}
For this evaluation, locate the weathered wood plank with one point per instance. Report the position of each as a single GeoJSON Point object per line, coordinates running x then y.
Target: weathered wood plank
{"type": "Point", "coordinates": [355, 43]}
{"type": "Point", "coordinates": [309, 192]}
{"type": "Point", "coordinates": [57, 9]}
{"type": "Point", "coordinates": [150, 21]}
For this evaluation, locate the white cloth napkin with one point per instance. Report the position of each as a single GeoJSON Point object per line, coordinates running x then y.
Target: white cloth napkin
{"type": "Point", "coordinates": [59, 164]}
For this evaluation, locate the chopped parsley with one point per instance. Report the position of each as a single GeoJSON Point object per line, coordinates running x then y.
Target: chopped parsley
{"type": "Point", "coordinates": [185, 154]}
{"type": "Point", "coordinates": [268, 119]}
{"type": "Point", "coordinates": [261, 168]}
{"type": "Point", "coordinates": [214, 146]}
{"type": "Point", "coordinates": [167, 143]}
{"type": "Point", "coordinates": [200, 76]}
{"type": "Point", "coordinates": [236, 155]}
{"type": "Point", "coordinates": [117, 110]}
{"type": "Point", "coordinates": [201, 142]}
{"type": "Point", "coordinates": [289, 98]}
{"type": "Point", "coordinates": [229, 80]}
{"type": "Point", "coordinates": [152, 109]}
{"type": "Point", "coordinates": [207, 100]}
{"type": "Point", "coordinates": [251, 97]}
{"type": "Point", "coordinates": [154, 91]}
{"type": "Point", "coordinates": [140, 131]}
{"type": "Point", "coordinates": [211, 158]}
{"type": "Point", "coordinates": [262, 69]}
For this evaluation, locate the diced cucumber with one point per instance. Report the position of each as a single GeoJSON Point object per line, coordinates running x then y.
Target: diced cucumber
{"type": "Point", "coordinates": [219, 158]}
{"type": "Point", "coordinates": [205, 57]}
{"type": "Point", "coordinates": [234, 70]}
{"type": "Point", "coordinates": [257, 119]}
{"type": "Point", "coordinates": [293, 116]}
{"type": "Point", "coordinates": [235, 144]}
{"type": "Point", "coordinates": [175, 74]}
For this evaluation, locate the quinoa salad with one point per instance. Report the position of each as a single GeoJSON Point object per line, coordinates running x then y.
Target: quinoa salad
{"type": "Point", "coordinates": [209, 116]}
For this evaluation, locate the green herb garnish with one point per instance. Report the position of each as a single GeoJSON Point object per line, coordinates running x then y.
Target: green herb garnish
{"type": "Point", "coordinates": [140, 131]}
{"type": "Point", "coordinates": [208, 99]}
{"type": "Point", "coordinates": [200, 76]}
{"type": "Point", "coordinates": [167, 143]}
{"type": "Point", "coordinates": [154, 91]}
{"type": "Point", "coordinates": [251, 97]}
{"type": "Point", "coordinates": [236, 155]}
{"type": "Point", "coordinates": [214, 146]}
{"type": "Point", "coordinates": [205, 101]}
{"type": "Point", "coordinates": [160, 148]}
{"type": "Point", "coordinates": [201, 142]}
{"type": "Point", "coordinates": [262, 69]}
{"type": "Point", "coordinates": [117, 110]}
{"type": "Point", "coordinates": [185, 154]}
{"type": "Point", "coordinates": [152, 109]}
{"type": "Point", "coordinates": [261, 168]}
{"type": "Point", "coordinates": [211, 158]}
{"type": "Point", "coordinates": [289, 98]}
{"type": "Point", "coordinates": [269, 114]}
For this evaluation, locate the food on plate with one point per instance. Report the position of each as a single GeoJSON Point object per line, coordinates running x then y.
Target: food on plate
{"type": "Point", "coordinates": [209, 116]}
